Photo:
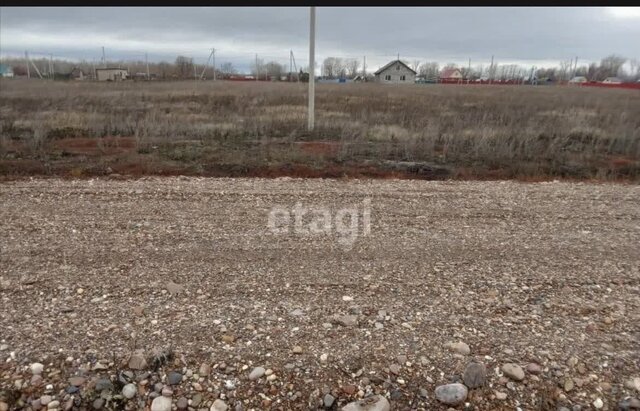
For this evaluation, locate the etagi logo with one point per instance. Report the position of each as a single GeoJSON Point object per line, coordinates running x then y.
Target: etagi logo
{"type": "Point", "coordinates": [321, 220]}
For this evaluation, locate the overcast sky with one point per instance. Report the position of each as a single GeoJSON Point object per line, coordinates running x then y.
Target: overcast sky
{"type": "Point", "coordinates": [529, 36]}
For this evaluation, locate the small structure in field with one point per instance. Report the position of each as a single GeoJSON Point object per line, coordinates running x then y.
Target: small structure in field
{"type": "Point", "coordinates": [395, 72]}
{"type": "Point", "coordinates": [77, 74]}
{"type": "Point", "coordinates": [612, 80]}
{"type": "Point", "coordinates": [450, 75]}
{"type": "Point", "coordinates": [578, 80]}
{"type": "Point", "coordinates": [6, 70]}
{"type": "Point", "coordinates": [111, 74]}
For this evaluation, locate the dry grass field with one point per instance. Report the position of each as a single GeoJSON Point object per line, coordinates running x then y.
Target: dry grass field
{"type": "Point", "coordinates": [229, 128]}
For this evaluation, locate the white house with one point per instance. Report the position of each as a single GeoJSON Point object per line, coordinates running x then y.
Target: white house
{"type": "Point", "coordinates": [395, 72]}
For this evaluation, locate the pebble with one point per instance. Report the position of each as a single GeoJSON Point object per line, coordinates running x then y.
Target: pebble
{"type": "Point", "coordinates": [395, 369]}
{"type": "Point", "coordinates": [167, 392]}
{"type": "Point", "coordinates": [348, 320]}
{"type": "Point", "coordinates": [98, 403]}
{"type": "Point", "coordinates": [374, 403]}
{"type": "Point", "coordinates": [297, 349]}
{"type": "Point", "coordinates": [174, 288]}
{"type": "Point", "coordinates": [137, 361]}
{"type": "Point", "coordinates": [629, 403]}
{"type": "Point", "coordinates": [77, 381]}
{"type": "Point", "coordinates": [53, 405]}
{"type": "Point", "coordinates": [513, 371]}
{"type": "Point", "coordinates": [598, 403]}
{"type": "Point", "coordinates": [174, 378]}
{"type": "Point", "coordinates": [205, 369]}
{"type": "Point", "coordinates": [568, 384]}
{"type": "Point", "coordinates": [182, 403]}
{"type": "Point", "coordinates": [104, 384]}
{"type": "Point", "coordinates": [451, 394]}
{"type": "Point", "coordinates": [501, 395]}
{"type": "Point", "coordinates": [324, 357]}
{"type": "Point", "coordinates": [45, 399]}
{"type": "Point", "coordinates": [161, 404]}
{"type": "Point", "coordinates": [219, 405]}
{"type": "Point", "coordinates": [459, 347]}
{"type": "Point", "coordinates": [4, 406]}
{"type": "Point", "coordinates": [36, 368]}
{"type": "Point", "coordinates": [328, 400]}
{"type": "Point", "coordinates": [129, 391]}
{"type": "Point", "coordinates": [633, 383]}
{"type": "Point", "coordinates": [475, 374]}
{"type": "Point", "coordinates": [533, 368]}
{"type": "Point", "coordinates": [296, 313]}
{"type": "Point", "coordinates": [256, 373]}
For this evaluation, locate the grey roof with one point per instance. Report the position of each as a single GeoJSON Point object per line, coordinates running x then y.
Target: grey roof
{"type": "Point", "coordinates": [391, 64]}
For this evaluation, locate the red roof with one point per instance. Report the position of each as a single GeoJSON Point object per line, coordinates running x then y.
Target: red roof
{"type": "Point", "coordinates": [448, 73]}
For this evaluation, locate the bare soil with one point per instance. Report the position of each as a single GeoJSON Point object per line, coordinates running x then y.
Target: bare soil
{"type": "Point", "coordinates": [544, 273]}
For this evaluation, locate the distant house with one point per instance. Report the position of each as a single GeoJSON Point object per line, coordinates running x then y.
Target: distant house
{"type": "Point", "coordinates": [111, 74]}
{"type": "Point", "coordinates": [578, 80]}
{"type": "Point", "coordinates": [612, 80]}
{"type": "Point", "coordinates": [451, 74]}
{"type": "Point", "coordinates": [395, 72]}
{"type": "Point", "coordinates": [6, 70]}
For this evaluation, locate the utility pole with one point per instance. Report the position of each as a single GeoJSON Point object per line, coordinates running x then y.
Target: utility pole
{"type": "Point", "coordinates": [290, 64]}
{"type": "Point", "coordinates": [312, 66]}
{"type": "Point", "coordinates": [213, 58]}
{"type": "Point", "coordinates": [104, 60]}
{"type": "Point", "coordinates": [51, 68]}
{"type": "Point", "coordinates": [364, 68]}
{"type": "Point", "coordinates": [26, 59]}
{"type": "Point", "coordinates": [257, 71]}
{"type": "Point", "coordinates": [195, 73]}
{"type": "Point", "coordinates": [469, 71]}
{"type": "Point", "coordinates": [146, 60]}
{"type": "Point", "coordinates": [491, 71]}
{"type": "Point", "coordinates": [576, 67]}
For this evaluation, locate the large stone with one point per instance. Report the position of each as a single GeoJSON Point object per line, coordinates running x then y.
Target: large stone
{"type": "Point", "coordinates": [374, 403]}
{"type": "Point", "coordinates": [256, 373]}
{"type": "Point", "coordinates": [451, 394]}
{"type": "Point", "coordinates": [633, 383]}
{"type": "Point", "coordinates": [137, 360]}
{"type": "Point", "coordinates": [459, 347]}
{"type": "Point", "coordinates": [628, 404]}
{"type": "Point", "coordinates": [205, 370]}
{"type": "Point", "coordinates": [174, 288]}
{"type": "Point", "coordinates": [475, 374]}
{"type": "Point", "coordinates": [129, 391]}
{"type": "Point", "coordinates": [36, 368]}
{"type": "Point", "coordinates": [513, 371]}
{"type": "Point", "coordinates": [219, 405]}
{"type": "Point", "coordinates": [348, 320]}
{"type": "Point", "coordinates": [174, 378]}
{"type": "Point", "coordinates": [161, 403]}
{"type": "Point", "coordinates": [104, 384]}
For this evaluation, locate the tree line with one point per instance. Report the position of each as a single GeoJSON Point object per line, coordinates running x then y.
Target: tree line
{"type": "Point", "coordinates": [334, 67]}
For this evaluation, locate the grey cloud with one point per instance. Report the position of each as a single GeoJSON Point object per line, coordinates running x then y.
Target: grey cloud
{"type": "Point", "coordinates": [441, 34]}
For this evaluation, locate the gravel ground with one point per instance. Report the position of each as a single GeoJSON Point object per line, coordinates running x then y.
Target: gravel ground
{"type": "Point", "coordinates": [174, 290]}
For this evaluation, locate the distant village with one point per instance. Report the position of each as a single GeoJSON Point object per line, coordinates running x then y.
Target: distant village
{"type": "Point", "coordinates": [609, 71]}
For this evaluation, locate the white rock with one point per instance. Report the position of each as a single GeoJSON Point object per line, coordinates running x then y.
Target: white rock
{"type": "Point", "coordinates": [598, 403]}
{"type": "Point", "coordinates": [256, 373]}
{"type": "Point", "coordinates": [129, 391]}
{"type": "Point", "coordinates": [347, 298]}
{"type": "Point", "coordinates": [374, 403]}
{"type": "Point", "coordinates": [36, 368]}
{"type": "Point", "coordinates": [218, 405]}
{"type": "Point", "coordinates": [633, 383]}
{"type": "Point", "coordinates": [161, 403]}
{"type": "Point", "coordinates": [459, 347]}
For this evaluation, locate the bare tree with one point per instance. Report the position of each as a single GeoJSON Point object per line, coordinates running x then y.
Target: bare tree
{"type": "Point", "coordinates": [611, 66]}
{"type": "Point", "coordinates": [228, 68]}
{"type": "Point", "coordinates": [429, 70]}
{"type": "Point", "coordinates": [184, 66]}
{"type": "Point", "coordinates": [415, 65]}
{"type": "Point", "coordinates": [274, 69]}
{"type": "Point", "coordinates": [352, 66]}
